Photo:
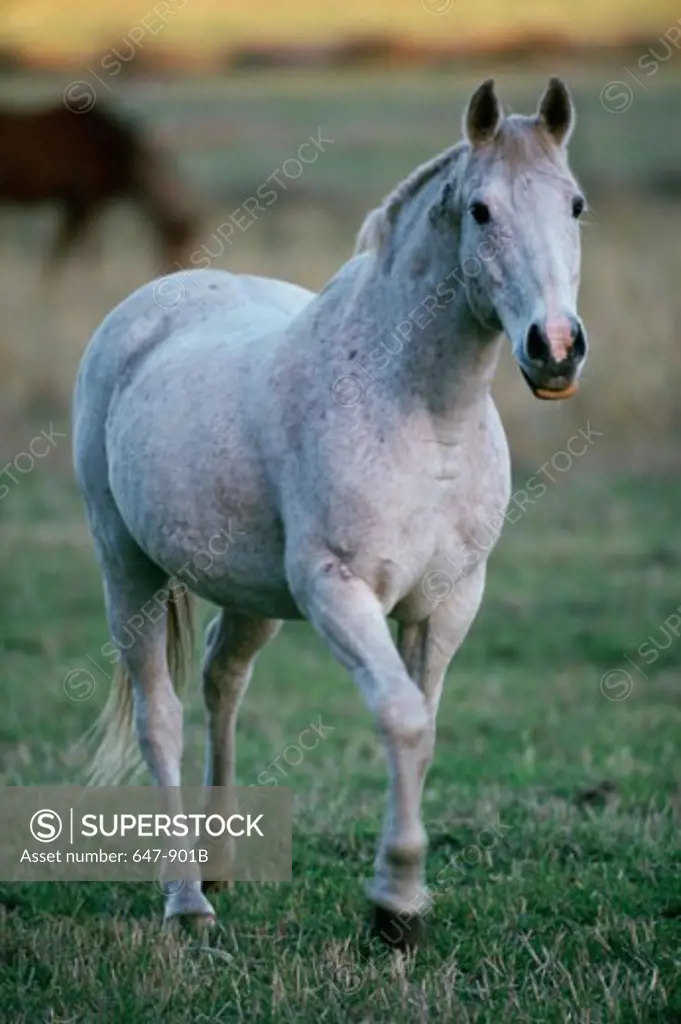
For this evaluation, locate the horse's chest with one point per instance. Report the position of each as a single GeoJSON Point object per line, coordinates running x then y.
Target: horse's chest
{"type": "Point", "coordinates": [439, 532]}
{"type": "Point", "coordinates": [471, 523]}
{"type": "Point", "coordinates": [474, 492]}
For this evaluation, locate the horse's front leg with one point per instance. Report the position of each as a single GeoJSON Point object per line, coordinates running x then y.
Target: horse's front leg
{"type": "Point", "coordinates": [427, 649]}
{"type": "Point", "coordinates": [347, 614]}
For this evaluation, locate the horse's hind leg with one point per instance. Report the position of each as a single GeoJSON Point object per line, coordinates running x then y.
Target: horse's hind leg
{"type": "Point", "coordinates": [136, 594]}
{"type": "Point", "coordinates": [232, 645]}
{"type": "Point", "coordinates": [77, 217]}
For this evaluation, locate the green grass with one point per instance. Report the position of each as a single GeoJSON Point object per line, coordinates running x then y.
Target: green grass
{"type": "Point", "coordinates": [573, 913]}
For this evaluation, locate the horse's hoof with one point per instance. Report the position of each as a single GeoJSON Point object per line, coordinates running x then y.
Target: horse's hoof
{"type": "Point", "coordinates": [398, 930]}
{"type": "Point", "coordinates": [187, 906]}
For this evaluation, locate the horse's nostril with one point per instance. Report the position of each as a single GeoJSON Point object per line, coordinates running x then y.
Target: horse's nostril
{"type": "Point", "coordinates": [536, 345]}
{"type": "Point", "coordinates": [579, 343]}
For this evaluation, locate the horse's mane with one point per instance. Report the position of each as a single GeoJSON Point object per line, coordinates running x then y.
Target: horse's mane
{"type": "Point", "coordinates": [379, 223]}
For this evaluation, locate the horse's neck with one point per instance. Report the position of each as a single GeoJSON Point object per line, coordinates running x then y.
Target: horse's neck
{"type": "Point", "coordinates": [442, 359]}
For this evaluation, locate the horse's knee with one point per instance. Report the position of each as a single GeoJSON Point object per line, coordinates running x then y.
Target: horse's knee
{"type": "Point", "coordinates": [404, 719]}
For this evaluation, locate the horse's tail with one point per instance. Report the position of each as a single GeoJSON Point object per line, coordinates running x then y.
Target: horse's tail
{"type": "Point", "coordinates": [168, 204]}
{"type": "Point", "coordinates": [116, 755]}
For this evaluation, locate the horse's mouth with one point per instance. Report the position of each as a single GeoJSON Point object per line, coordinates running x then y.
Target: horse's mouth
{"type": "Point", "coordinates": [551, 394]}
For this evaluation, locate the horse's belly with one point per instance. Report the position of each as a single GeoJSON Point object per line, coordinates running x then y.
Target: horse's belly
{"type": "Point", "coordinates": [234, 559]}
{"type": "Point", "coordinates": [239, 569]}
{"type": "Point", "coordinates": [209, 521]}
{"type": "Point", "coordinates": [259, 598]}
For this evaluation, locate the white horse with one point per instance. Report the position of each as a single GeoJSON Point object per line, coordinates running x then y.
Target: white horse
{"type": "Point", "coordinates": [349, 442]}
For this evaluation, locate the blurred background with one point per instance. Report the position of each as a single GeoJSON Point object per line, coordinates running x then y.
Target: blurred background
{"type": "Point", "coordinates": [229, 92]}
{"type": "Point", "coordinates": [551, 707]}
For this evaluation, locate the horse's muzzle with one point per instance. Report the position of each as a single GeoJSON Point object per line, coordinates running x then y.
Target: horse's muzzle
{"type": "Point", "coordinates": [551, 394]}
{"type": "Point", "coordinates": [554, 353]}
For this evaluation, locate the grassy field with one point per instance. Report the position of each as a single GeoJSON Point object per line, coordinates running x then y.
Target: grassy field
{"type": "Point", "coordinates": [574, 913]}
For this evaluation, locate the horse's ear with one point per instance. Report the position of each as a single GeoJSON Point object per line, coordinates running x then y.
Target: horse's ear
{"type": "Point", "coordinates": [483, 115]}
{"type": "Point", "coordinates": [556, 112]}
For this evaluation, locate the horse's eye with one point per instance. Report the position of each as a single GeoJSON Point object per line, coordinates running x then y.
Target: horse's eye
{"type": "Point", "coordinates": [578, 205]}
{"type": "Point", "coordinates": [480, 213]}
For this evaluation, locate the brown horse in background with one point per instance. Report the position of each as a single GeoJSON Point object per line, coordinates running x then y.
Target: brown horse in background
{"type": "Point", "coordinates": [82, 162]}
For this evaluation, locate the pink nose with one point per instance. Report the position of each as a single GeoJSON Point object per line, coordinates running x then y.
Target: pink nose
{"type": "Point", "coordinates": [558, 342]}
{"type": "Point", "coordinates": [559, 336]}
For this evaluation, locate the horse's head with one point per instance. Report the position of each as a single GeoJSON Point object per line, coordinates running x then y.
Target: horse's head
{"type": "Point", "coordinates": [520, 244]}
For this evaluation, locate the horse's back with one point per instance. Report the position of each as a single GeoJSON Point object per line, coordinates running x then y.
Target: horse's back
{"type": "Point", "coordinates": [178, 320]}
